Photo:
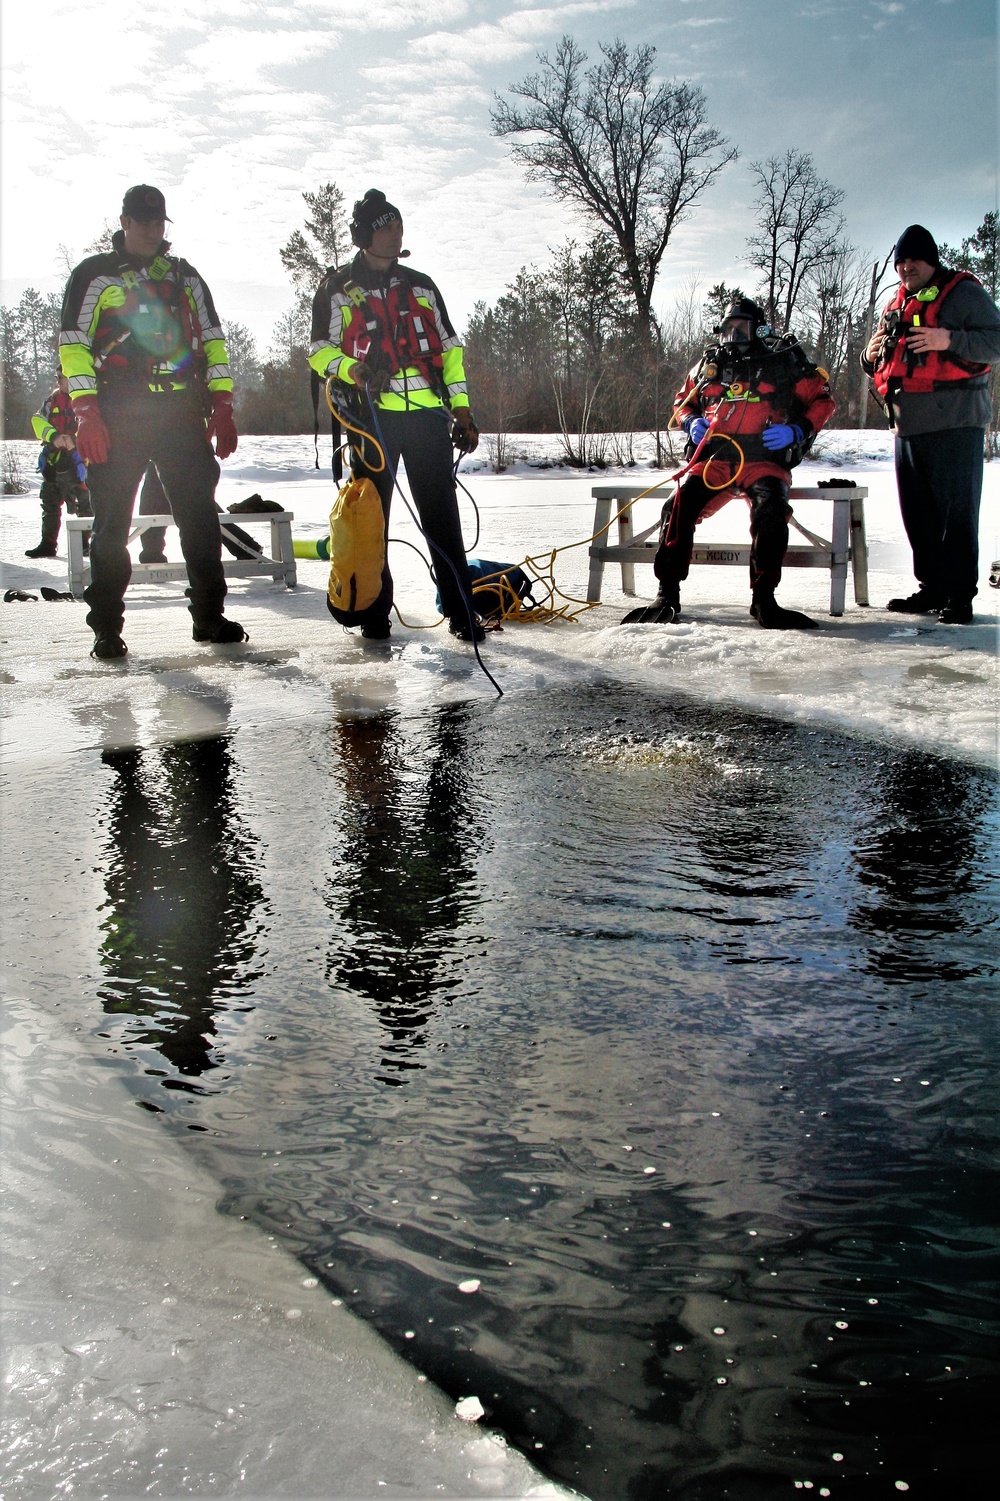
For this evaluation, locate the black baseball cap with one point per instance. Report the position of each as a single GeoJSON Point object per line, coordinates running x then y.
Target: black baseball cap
{"type": "Point", "coordinates": [144, 203]}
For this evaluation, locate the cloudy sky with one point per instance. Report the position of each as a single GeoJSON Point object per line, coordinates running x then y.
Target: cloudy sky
{"type": "Point", "coordinates": [233, 107]}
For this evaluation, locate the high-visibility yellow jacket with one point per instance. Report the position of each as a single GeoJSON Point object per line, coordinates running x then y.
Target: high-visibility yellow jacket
{"type": "Point", "coordinates": [134, 325]}
{"type": "Point", "coordinates": [397, 322]}
{"type": "Point", "coordinates": [54, 416]}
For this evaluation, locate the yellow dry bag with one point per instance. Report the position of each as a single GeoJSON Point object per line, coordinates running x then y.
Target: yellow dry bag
{"type": "Point", "coordinates": [357, 548]}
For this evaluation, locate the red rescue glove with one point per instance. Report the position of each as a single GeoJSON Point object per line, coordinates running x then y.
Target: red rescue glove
{"type": "Point", "coordinates": [92, 441]}
{"type": "Point", "coordinates": [221, 424]}
{"type": "Point", "coordinates": [465, 433]}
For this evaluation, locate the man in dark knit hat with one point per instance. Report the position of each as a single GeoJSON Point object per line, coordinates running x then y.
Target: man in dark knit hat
{"type": "Point", "coordinates": [930, 362]}
{"type": "Point", "coordinates": [382, 332]}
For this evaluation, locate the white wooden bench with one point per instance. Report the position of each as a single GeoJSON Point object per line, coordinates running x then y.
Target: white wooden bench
{"type": "Point", "coordinates": [848, 544]}
{"type": "Point", "coordinates": [278, 564]}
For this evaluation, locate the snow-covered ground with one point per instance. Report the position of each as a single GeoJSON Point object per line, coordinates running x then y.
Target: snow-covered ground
{"type": "Point", "coordinates": [905, 678]}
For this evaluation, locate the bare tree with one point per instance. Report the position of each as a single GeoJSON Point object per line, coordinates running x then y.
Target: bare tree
{"type": "Point", "coordinates": [798, 230]}
{"type": "Point", "coordinates": [66, 257]}
{"type": "Point", "coordinates": [632, 155]}
{"type": "Point", "coordinates": [326, 240]}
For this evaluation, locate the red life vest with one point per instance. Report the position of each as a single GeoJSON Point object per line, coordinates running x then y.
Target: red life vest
{"type": "Point", "coordinates": [59, 410]}
{"type": "Point", "coordinates": [393, 332]}
{"type": "Point", "coordinates": [154, 334]}
{"type": "Point", "coordinates": [939, 368]}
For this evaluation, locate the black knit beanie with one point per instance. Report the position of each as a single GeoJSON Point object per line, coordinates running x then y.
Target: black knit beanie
{"type": "Point", "coordinates": [916, 244]}
{"type": "Point", "coordinates": [370, 213]}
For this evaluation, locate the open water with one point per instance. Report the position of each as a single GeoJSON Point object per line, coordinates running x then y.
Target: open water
{"type": "Point", "coordinates": [670, 1031]}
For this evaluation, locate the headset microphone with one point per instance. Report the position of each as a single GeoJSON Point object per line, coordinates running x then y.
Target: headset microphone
{"type": "Point", "coordinates": [403, 255]}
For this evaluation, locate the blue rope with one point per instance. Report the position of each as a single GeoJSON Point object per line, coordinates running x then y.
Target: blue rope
{"type": "Point", "coordinates": [433, 545]}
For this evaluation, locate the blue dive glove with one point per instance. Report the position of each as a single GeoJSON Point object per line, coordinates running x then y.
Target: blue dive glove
{"type": "Point", "coordinates": [781, 435]}
{"type": "Point", "coordinates": [696, 427]}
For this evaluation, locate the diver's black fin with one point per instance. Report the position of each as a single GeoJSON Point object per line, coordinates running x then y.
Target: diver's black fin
{"type": "Point", "coordinates": [653, 614]}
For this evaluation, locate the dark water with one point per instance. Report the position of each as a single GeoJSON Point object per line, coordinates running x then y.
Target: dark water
{"type": "Point", "coordinates": [675, 1028]}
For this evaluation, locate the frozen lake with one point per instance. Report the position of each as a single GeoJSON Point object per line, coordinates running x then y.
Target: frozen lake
{"type": "Point", "coordinates": [655, 999]}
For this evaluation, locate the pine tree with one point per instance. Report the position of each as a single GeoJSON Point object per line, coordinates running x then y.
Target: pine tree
{"type": "Point", "coordinates": [324, 242]}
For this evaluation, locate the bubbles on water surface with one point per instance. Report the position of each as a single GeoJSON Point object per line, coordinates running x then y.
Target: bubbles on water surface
{"type": "Point", "coordinates": [753, 872]}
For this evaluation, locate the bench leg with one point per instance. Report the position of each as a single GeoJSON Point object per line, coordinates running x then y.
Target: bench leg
{"type": "Point", "coordinates": [859, 551]}
{"type": "Point", "coordinates": [281, 548]}
{"type": "Point", "coordinates": [840, 547]}
{"type": "Point", "coordinates": [602, 516]}
{"type": "Point", "coordinates": [77, 563]}
{"type": "Point", "coordinates": [625, 538]}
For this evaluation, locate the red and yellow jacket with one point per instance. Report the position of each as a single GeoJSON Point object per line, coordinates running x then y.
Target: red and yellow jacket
{"type": "Point", "coordinates": [148, 327]}
{"type": "Point", "coordinates": [938, 369]}
{"type": "Point", "coordinates": [743, 391]}
{"type": "Point", "coordinates": [400, 325]}
{"type": "Point", "coordinates": [53, 417]}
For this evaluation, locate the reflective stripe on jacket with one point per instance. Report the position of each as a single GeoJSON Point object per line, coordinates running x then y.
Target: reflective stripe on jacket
{"type": "Point", "coordinates": [148, 326]}
{"type": "Point", "coordinates": [55, 416]}
{"type": "Point", "coordinates": [400, 325]}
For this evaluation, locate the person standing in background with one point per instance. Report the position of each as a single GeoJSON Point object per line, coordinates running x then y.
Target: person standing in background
{"type": "Point", "coordinates": [930, 359]}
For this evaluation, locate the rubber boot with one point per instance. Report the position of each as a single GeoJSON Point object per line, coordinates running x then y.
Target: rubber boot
{"type": "Point", "coordinates": [45, 549]}
{"type": "Point", "coordinates": [665, 607]}
{"type": "Point", "coordinates": [923, 602]}
{"type": "Point", "coordinates": [767, 612]}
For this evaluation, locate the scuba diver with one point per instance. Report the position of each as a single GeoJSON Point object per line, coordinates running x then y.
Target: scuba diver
{"type": "Point", "coordinates": [382, 332]}
{"type": "Point", "coordinates": [751, 409]}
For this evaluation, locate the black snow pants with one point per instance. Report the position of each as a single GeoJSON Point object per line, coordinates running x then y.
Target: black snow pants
{"type": "Point", "coordinates": [61, 486]}
{"type": "Point", "coordinates": [940, 480]}
{"type": "Point", "coordinates": [169, 430]}
{"type": "Point", "coordinates": [769, 513]}
{"type": "Point", "coordinates": [423, 440]}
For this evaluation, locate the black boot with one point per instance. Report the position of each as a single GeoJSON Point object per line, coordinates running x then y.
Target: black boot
{"type": "Point", "coordinates": [220, 631]}
{"type": "Point", "coordinates": [768, 613]}
{"type": "Point", "coordinates": [924, 602]}
{"type": "Point", "coordinates": [459, 627]}
{"type": "Point", "coordinates": [108, 646]}
{"type": "Point", "coordinates": [665, 607]}
{"type": "Point", "coordinates": [957, 612]}
{"type": "Point", "coordinates": [45, 549]}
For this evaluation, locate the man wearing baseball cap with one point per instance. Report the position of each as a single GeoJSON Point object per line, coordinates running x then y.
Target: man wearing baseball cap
{"type": "Point", "coordinates": [144, 354]}
{"type": "Point", "coordinates": [930, 359]}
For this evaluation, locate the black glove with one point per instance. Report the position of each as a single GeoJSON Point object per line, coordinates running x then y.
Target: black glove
{"type": "Point", "coordinates": [465, 433]}
{"type": "Point", "coordinates": [364, 375]}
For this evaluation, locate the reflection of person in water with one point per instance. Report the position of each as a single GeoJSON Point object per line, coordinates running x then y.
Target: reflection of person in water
{"type": "Point", "coordinates": [408, 880]}
{"type": "Point", "coordinates": [916, 869]}
{"type": "Point", "coordinates": [177, 926]}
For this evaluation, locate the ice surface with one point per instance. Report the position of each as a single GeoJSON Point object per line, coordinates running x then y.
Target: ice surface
{"type": "Point", "coordinates": [901, 677]}
{"type": "Point", "coordinates": [155, 1347]}
{"type": "Point", "coordinates": [249, 1381]}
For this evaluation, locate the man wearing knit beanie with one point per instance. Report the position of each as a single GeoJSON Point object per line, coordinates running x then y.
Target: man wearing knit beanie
{"type": "Point", "coordinates": [382, 338]}
{"type": "Point", "coordinates": [929, 360]}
